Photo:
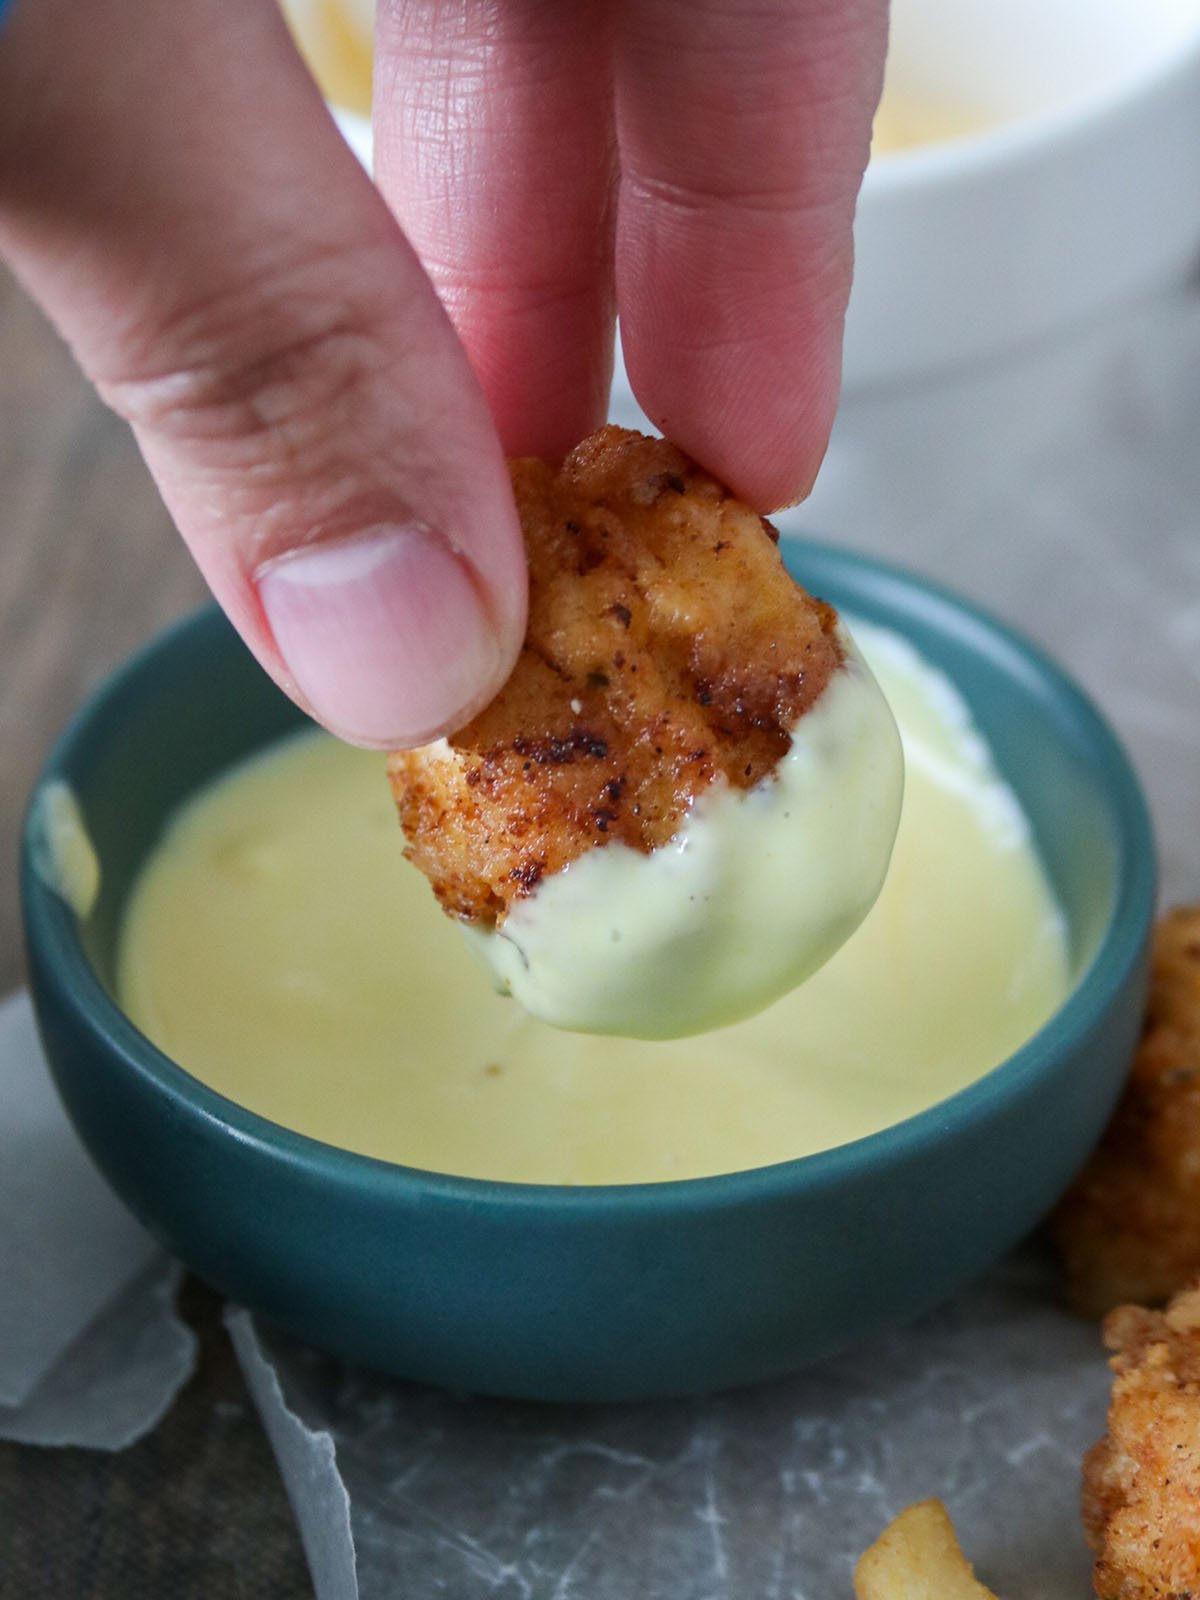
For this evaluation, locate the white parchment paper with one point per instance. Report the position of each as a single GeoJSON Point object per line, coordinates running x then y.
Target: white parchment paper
{"type": "Point", "coordinates": [116, 1382]}
{"type": "Point", "coordinates": [766, 1494]}
{"type": "Point", "coordinates": [91, 1350]}
{"type": "Point", "coordinates": [307, 1459]}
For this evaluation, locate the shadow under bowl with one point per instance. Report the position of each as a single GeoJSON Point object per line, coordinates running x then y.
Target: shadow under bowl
{"type": "Point", "coordinates": [613, 1293]}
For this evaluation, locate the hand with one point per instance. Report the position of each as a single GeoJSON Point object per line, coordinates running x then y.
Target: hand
{"type": "Point", "coordinates": [330, 442]}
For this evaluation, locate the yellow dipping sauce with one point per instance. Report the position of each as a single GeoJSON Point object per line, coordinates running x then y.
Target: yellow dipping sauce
{"type": "Point", "coordinates": [280, 948]}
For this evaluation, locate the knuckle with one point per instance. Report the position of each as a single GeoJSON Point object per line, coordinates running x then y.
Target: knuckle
{"type": "Point", "coordinates": [705, 195]}
{"type": "Point", "coordinates": [270, 360]}
{"type": "Point", "coordinates": [490, 292]}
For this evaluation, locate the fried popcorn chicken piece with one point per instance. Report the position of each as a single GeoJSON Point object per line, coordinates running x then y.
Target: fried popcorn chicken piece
{"type": "Point", "coordinates": [918, 1557]}
{"type": "Point", "coordinates": [667, 648]}
{"type": "Point", "coordinates": [1129, 1227]}
{"type": "Point", "coordinates": [1141, 1483]}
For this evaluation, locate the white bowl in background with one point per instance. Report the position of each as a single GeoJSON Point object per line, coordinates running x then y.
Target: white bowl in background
{"type": "Point", "coordinates": [1075, 185]}
{"type": "Point", "coordinates": [1079, 189]}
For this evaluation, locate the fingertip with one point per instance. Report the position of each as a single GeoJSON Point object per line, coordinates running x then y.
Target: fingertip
{"type": "Point", "coordinates": [742, 150]}
{"type": "Point", "coordinates": [756, 415]}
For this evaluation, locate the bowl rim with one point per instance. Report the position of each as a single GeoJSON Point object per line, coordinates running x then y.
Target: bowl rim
{"type": "Point", "coordinates": [52, 932]}
{"type": "Point", "coordinates": [1007, 142]}
{"type": "Point", "coordinates": [965, 157]}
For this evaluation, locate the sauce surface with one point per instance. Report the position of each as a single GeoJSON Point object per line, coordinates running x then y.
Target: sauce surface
{"type": "Point", "coordinates": [280, 948]}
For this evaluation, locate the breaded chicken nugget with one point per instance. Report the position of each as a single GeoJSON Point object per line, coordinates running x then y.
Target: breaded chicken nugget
{"type": "Point", "coordinates": [671, 668]}
{"type": "Point", "coordinates": [1129, 1228]}
{"type": "Point", "coordinates": [1141, 1483]}
{"type": "Point", "coordinates": [667, 645]}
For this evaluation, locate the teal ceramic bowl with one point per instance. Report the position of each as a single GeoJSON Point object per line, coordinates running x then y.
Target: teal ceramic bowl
{"type": "Point", "coordinates": [594, 1293]}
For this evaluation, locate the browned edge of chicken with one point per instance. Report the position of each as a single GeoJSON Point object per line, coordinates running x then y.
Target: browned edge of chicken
{"type": "Point", "coordinates": [668, 648]}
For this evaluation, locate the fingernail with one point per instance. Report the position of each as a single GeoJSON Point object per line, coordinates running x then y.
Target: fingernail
{"type": "Point", "coordinates": [385, 635]}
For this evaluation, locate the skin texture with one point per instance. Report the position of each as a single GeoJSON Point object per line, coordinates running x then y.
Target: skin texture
{"type": "Point", "coordinates": [1129, 1228]}
{"type": "Point", "coordinates": [1141, 1483]}
{"type": "Point", "coordinates": [326, 403]}
{"type": "Point", "coordinates": [668, 649]}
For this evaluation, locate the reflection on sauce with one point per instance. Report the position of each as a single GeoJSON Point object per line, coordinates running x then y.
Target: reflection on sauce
{"type": "Point", "coordinates": [335, 38]}
{"type": "Point", "coordinates": [280, 947]}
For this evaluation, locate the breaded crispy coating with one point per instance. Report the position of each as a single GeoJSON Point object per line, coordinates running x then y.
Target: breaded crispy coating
{"type": "Point", "coordinates": [668, 648]}
{"type": "Point", "coordinates": [1129, 1227]}
{"type": "Point", "coordinates": [1141, 1483]}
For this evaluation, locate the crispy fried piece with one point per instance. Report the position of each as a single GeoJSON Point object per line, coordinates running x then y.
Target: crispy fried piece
{"type": "Point", "coordinates": [918, 1557]}
{"type": "Point", "coordinates": [1141, 1483]}
{"type": "Point", "coordinates": [667, 648]}
{"type": "Point", "coordinates": [1129, 1228]}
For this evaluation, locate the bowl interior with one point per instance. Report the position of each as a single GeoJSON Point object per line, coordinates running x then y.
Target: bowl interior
{"type": "Point", "coordinates": [194, 701]}
{"type": "Point", "coordinates": [999, 61]}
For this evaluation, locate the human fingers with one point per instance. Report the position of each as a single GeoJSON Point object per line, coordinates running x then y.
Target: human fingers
{"type": "Point", "coordinates": [176, 196]}
{"type": "Point", "coordinates": [744, 129]}
{"type": "Point", "coordinates": [494, 147]}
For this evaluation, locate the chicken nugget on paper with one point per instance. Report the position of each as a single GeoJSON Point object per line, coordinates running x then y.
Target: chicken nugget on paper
{"type": "Point", "coordinates": [1129, 1227]}
{"type": "Point", "coordinates": [1141, 1483]}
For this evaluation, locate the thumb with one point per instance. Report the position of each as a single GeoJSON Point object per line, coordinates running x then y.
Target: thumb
{"type": "Point", "coordinates": [248, 304]}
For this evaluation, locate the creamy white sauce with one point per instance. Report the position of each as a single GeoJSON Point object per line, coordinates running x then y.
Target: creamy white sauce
{"type": "Point", "coordinates": [64, 855]}
{"type": "Point", "coordinates": [757, 889]}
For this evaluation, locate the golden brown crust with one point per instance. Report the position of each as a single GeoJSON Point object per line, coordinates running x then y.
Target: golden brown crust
{"type": "Point", "coordinates": [1129, 1228]}
{"type": "Point", "coordinates": [667, 647]}
{"type": "Point", "coordinates": [1141, 1483]}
